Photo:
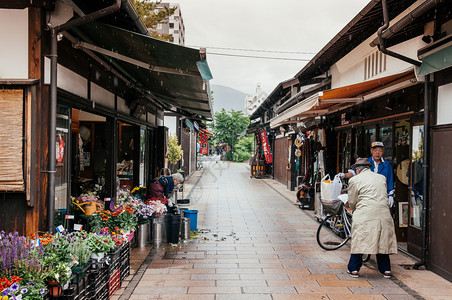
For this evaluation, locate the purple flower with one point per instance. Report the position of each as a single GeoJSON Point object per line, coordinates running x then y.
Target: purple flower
{"type": "Point", "coordinates": [31, 283]}
{"type": "Point", "coordinates": [14, 287]}
{"type": "Point", "coordinates": [42, 291]}
{"type": "Point", "coordinates": [5, 292]}
{"type": "Point", "coordinates": [24, 290]}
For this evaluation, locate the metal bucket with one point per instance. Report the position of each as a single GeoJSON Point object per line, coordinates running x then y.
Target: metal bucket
{"type": "Point", "coordinates": [185, 228]}
{"type": "Point", "coordinates": [143, 235]}
{"type": "Point", "coordinates": [157, 233]}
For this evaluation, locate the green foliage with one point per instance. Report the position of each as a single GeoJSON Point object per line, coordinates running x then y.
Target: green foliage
{"type": "Point", "coordinates": [228, 125]}
{"type": "Point", "coordinates": [151, 18]}
{"type": "Point", "coordinates": [175, 151]}
{"type": "Point", "coordinates": [244, 148]}
{"type": "Point", "coordinates": [100, 243]}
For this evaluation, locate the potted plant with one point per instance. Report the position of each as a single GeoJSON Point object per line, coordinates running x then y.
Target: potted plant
{"type": "Point", "coordinates": [100, 243]}
{"type": "Point", "coordinates": [58, 273]}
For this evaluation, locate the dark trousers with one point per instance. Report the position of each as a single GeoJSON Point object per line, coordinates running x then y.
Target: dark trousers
{"type": "Point", "coordinates": [356, 261]}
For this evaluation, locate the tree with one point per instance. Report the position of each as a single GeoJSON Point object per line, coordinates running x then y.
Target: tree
{"type": "Point", "coordinates": [228, 125]}
{"type": "Point", "coordinates": [151, 17]}
{"type": "Point", "coordinates": [175, 151]}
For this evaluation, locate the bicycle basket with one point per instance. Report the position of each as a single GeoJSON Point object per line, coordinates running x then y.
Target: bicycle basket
{"type": "Point", "coordinates": [332, 207]}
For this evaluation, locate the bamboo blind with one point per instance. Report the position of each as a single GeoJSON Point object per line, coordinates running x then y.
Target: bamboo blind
{"type": "Point", "coordinates": [11, 140]}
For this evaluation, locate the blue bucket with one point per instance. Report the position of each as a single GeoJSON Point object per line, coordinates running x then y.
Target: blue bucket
{"type": "Point", "coordinates": [193, 216]}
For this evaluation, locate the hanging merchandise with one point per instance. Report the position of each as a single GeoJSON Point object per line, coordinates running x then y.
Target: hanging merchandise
{"type": "Point", "coordinates": [298, 143]}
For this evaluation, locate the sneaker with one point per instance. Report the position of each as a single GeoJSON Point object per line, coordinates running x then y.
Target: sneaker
{"type": "Point", "coordinates": [354, 274]}
{"type": "Point", "coordinates": [387, 274]}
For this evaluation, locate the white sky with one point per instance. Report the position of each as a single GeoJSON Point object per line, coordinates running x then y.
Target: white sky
{"type": "Point", "coordinates": [281, 25]}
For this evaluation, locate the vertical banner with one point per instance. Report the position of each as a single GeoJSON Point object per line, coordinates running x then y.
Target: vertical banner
{"type": "Point", "coordinates": [266, 147]}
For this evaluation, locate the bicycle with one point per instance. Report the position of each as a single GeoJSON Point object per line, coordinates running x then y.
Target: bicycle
{"type": "Point", "coordinates": [335, 230]}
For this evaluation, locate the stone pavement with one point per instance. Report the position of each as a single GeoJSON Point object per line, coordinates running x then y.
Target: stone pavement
{"type": "Point", "coordinates": [253, 243]}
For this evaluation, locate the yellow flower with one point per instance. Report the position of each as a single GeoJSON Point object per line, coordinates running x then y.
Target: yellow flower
{"type": "Point", "coordinates": [5, 298]}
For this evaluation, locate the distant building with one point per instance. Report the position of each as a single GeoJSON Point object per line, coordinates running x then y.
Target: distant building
{"type": "Point", "coordinates": [252, 102]}
{"type": "Point", "coordinates": [173, 25]}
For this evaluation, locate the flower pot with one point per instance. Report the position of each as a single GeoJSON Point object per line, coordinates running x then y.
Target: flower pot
{"type": "Point", "coordinates": [55, 288]}
{"type": "Point", "coordinates": [97, 256]}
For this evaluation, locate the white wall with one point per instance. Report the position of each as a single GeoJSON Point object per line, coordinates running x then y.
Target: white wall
{"type": "Point", "coordinates": [67, 80]}
{"type": "Point", "coordinates": [444, 107]}
{"type": "Point", "coordinates": [350, 69]}
{"type": "Point", "coordinates": [171, 123]}
{"type": "Point", "coordinates": [102, 96]}
{"type": "Point", "coordinates": [14, 43]}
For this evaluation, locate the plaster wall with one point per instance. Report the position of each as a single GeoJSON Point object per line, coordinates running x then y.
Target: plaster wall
{"type": "Point", "coordinates": [14, 40]}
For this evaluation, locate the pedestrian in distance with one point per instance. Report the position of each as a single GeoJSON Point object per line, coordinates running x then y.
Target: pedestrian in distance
{"type": "Point", "coordinates": [372, 227]}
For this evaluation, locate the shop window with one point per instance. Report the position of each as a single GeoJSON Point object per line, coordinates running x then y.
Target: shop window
{"type": "Point", "coordinates": [126, 147]}
{"type": "Point", "coordinates": [62, 173]}
{"type": "Point", "coordinates": [89, 153]}
{"type": "Point", "coordinates": [370, 136]}
{"type": "Point", "coordinates": [15, 140]}
{"type": "Point", "coordinates": [143, 156]}
{"type": "Point", "coordinates": [385, 136]}
{"type": "Point", "coordinates": [417, 176]}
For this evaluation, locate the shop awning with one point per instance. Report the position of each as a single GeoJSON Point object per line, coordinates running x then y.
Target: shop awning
{"type": "Point", "coordinates": [189, 124]}
{"type": "Point", "coordinates": [172, 74]}
{"type": "Point", "coordinates": [333, 100]}
{"type": "Point", "coordinates": [436, 60]}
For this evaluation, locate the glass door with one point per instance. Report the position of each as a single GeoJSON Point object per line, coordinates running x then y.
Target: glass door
{"type": "Point", "coordinates": [417, 176]}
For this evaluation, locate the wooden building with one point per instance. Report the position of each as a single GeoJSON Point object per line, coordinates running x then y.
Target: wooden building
{"type": "Point", "coordinates": [87, 89]}
{"type": "Point", "coordinates": [385, 77]}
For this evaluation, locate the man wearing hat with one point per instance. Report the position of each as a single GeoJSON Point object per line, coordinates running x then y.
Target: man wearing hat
{"type": "Point", "coordinates": [372, 227]}
{"type": "Point", "coordinates": [380, 166]}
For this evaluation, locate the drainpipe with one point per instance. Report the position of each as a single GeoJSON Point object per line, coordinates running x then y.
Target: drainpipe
{"type": "Point", "coordinates": [425, 172]}
{"type": "Point", "coordinates": [53, 100]}
{"type": "Point", "coordinates": [381, 41]}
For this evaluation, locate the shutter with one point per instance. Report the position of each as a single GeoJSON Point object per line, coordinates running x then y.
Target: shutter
{"type": "Point", "coordinates": [11, 140]}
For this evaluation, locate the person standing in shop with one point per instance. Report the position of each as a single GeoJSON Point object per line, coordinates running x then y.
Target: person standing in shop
{"type": "Point", "coordinates": [378, 165]}
{"type": "Point", "coordinates": [372, 227]}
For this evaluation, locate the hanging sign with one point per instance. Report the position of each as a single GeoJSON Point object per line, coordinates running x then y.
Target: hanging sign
{"type": "Point", "coordinates": [266, 147]}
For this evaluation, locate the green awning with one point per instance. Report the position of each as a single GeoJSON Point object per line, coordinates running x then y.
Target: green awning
{"type": "Point", "coordinates": [436, 61]}
{"type": "Point", "coordinates": [189, 124]}
{"type": "Point", "coordinates": [173, 74]}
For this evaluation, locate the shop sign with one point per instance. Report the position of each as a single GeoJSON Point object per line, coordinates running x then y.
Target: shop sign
{"type": "Point", "coordinates": [195, 124]}
{"type": "Point", "coordinates": [266, 147]}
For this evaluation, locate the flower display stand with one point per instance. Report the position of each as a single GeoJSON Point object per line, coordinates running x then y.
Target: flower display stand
{"type": "Point", "coordinates": [125, 262]}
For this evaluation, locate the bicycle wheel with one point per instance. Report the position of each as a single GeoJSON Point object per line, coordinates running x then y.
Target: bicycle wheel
{"type": "Point", "coordinates": [331, 235]}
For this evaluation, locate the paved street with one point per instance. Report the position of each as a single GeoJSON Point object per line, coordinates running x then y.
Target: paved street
{"type": "Point", "coordinates": [255, 244]}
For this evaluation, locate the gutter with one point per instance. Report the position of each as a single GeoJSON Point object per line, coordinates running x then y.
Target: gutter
{"type": "Point", "coordinates": [381, 41]}
{"type": "Point", "coordinates": [131, 11]}
{"type": "Point", "coordinates": [406, 20]}
{"type": "Point", "coordinates": [53, 100]}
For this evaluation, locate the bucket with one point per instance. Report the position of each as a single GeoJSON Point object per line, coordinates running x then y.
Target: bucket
{"type": "Point", "coordinates": [193, 216]}
{"type": "Point", "coordinates": [185, 228]}
{"type": "Point", "coordinates": [172, 228]}
{"type": "Point", "coordinates": [157, 232]}
{"type": "Point", "coordinates": [143, 235]}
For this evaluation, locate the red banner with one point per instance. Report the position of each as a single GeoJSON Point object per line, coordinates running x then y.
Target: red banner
{"type": "Point", "coordinates": [266, 147]}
